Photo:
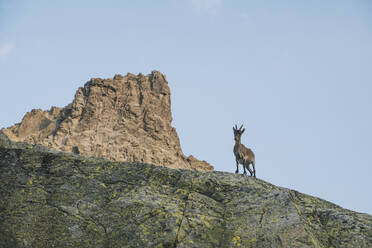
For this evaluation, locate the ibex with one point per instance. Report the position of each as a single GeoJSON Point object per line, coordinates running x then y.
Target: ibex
{"type": "Point", "coordinates": [243, 155]}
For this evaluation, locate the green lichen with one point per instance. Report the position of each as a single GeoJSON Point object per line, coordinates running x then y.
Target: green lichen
{"type": "Point", "coordinates": [50, 199]}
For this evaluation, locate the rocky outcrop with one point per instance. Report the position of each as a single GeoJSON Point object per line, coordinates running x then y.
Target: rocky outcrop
{"type": "Point", "coordinates": [127, 118]}
{"type": "Point", "coordinates": [54, 199]}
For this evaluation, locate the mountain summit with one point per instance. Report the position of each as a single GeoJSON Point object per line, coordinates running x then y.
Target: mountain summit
{"type": "Point", "coordinates": [55, 199]}
{"type": "Point", "coordinates": [126, 118]}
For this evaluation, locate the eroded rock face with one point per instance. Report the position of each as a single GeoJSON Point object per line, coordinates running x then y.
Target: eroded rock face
{"type": "Point", "coordinates": [127, 118]}
{"type": "Point", "coordinates": [54, 199]}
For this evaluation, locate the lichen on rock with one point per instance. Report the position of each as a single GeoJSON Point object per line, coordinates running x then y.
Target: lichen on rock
{"type": "Point", "coordinates": [55, 199]}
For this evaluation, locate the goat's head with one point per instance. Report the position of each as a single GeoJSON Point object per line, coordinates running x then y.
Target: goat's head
{"type": "Point", "coordinates": [238, 132]}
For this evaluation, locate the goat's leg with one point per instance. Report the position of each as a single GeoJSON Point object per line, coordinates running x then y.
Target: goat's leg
{"type": "Point", "coordinates": [250, 171]}
{"type": "Point", "coordinates": [237, 167]}
{"type": "Point", "coordinates": [254, 169]}
{"type": "Point", "coordinates": [245, 173]}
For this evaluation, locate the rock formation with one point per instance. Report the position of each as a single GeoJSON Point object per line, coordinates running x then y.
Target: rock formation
{"type": "Point", "coordinates": [127, 118]}
{"type": "Point", "coordinates": [55, 199]}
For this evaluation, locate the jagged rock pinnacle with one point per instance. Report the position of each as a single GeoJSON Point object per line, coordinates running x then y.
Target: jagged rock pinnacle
{"type": "Point", "coordinates": [127, 118]}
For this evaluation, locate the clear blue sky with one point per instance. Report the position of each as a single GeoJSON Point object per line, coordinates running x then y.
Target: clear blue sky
{"type": "Point", "coordinates": [297, 74]}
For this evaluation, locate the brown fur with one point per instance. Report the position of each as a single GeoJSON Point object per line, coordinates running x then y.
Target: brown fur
{"type": "Point", "coordinates": [243, 155]}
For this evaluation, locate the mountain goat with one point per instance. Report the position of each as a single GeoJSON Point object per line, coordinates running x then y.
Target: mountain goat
{"type": "Point", "coordinates": [243, 155]}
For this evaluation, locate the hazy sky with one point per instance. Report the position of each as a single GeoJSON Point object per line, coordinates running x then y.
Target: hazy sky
{"type": "Point", "coordinates": [297, 74]}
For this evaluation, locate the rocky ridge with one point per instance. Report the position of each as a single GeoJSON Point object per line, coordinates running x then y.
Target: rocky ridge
{"type": "Point", "coordinates": [56, 199]}
{"type": "Point", "coordinates": [127, 118]}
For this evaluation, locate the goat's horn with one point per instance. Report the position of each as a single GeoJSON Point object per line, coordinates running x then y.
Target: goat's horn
{"type": "Point", "coordinates": [236, 127]}
{"type": "Point", "coordinates": [240, 128]}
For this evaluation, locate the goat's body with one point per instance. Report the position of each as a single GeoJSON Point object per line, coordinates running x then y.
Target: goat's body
{"type": "Point", "coordinates": [245, 157]}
